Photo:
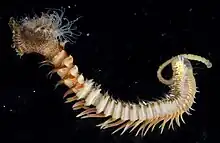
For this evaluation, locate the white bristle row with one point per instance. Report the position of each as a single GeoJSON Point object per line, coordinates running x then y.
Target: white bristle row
{"type": "Point", "coordinates": [146, 115]}
{"type": "Point", "coordinates": [124, 111]}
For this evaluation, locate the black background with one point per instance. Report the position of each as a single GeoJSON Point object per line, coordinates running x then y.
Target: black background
{"type": "Point", "coordinates": [127, 41]}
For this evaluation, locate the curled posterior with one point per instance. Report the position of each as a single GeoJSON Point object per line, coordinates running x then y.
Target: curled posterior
{"type": "Point", "coordinates": [186, 57]}
{"type": "Point", "coordinates": [159, 73]}
{"type": "Point", "coordinates": [199, 59]}
{"type": "Point", "coordinates": [42, 34]}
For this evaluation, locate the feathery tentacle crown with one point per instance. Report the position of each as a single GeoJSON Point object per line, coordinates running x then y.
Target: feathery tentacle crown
{"type": "Point", "coordinates": [45, 35]}
{"type": "Point", "coordinates": [42, 35]}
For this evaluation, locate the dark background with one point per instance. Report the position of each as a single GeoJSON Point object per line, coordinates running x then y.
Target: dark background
{"type": "Point", "coordinates": [127, 41]}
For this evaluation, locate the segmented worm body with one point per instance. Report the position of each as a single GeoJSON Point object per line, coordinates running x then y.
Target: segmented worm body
{"type": "Point", "coordinates": [29, 36]}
